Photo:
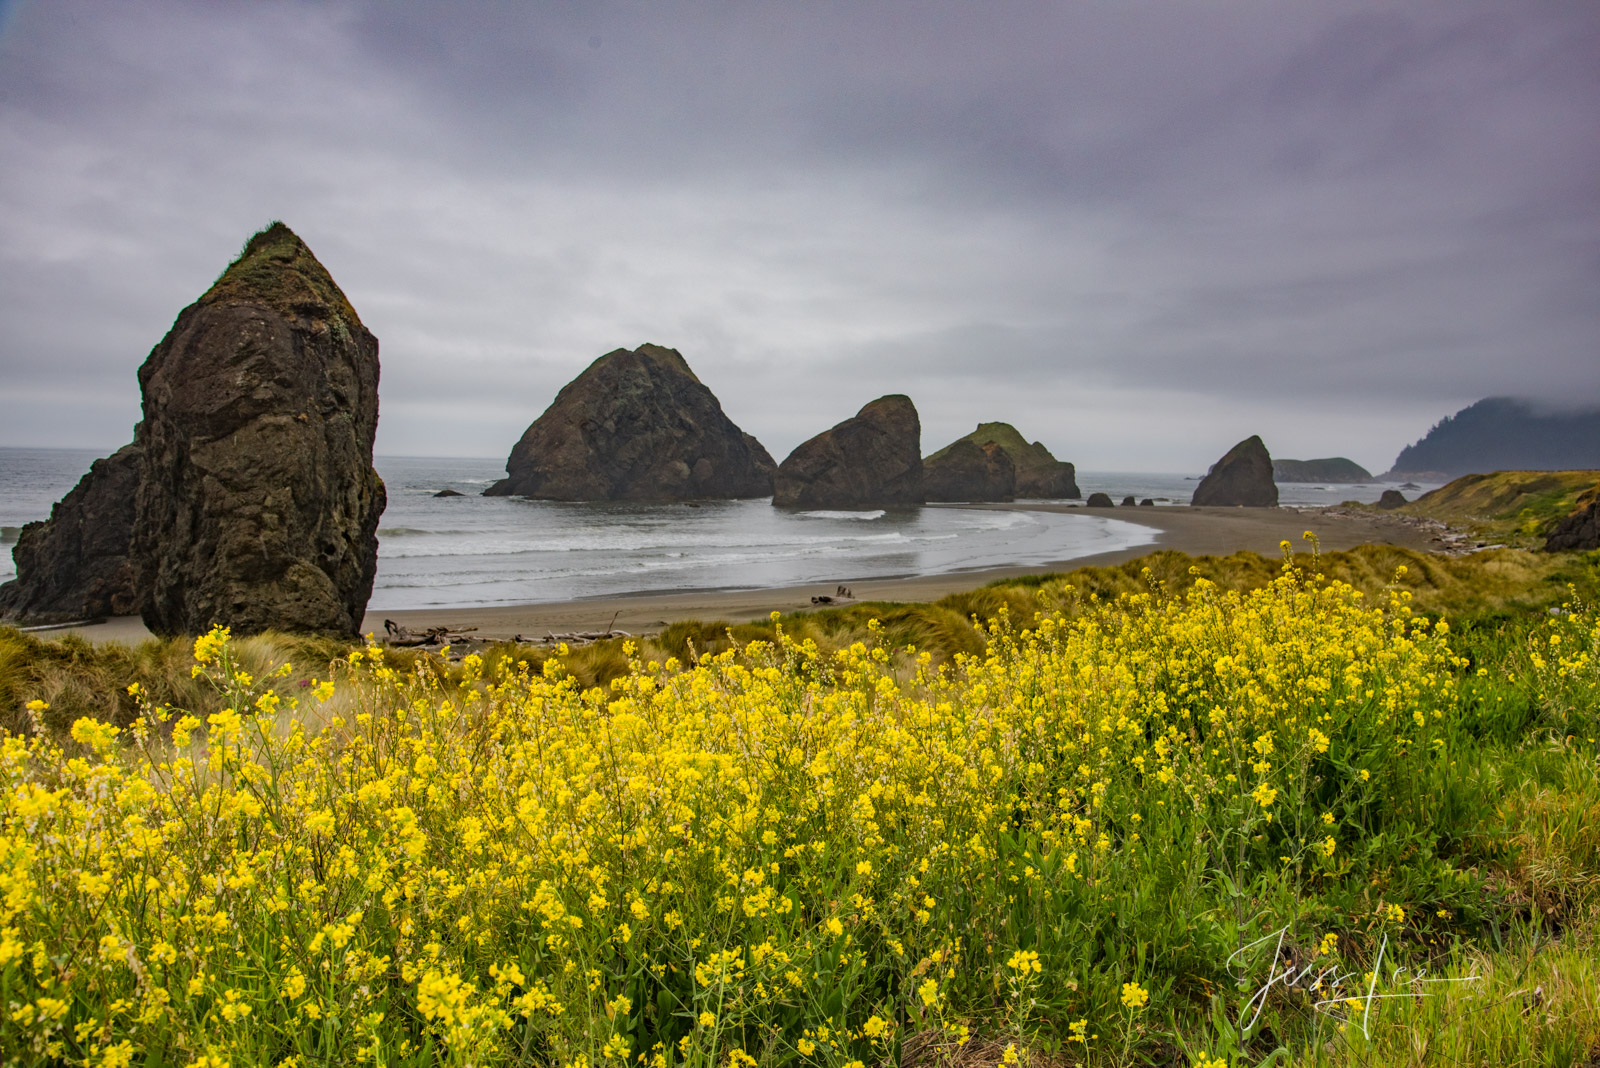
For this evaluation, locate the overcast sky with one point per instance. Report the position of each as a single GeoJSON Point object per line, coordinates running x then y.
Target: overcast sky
{"type": "Point", "coordinates": [1139, 231]}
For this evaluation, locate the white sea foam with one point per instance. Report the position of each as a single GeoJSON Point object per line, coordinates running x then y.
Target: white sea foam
{"type": "Point", "coordinates": [497, 550]}
{"type": "Point", "coordinates": [860, 516]}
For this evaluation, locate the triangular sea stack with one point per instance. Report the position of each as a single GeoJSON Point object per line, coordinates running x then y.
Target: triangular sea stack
{"type": "Point", "coordinates": [258, 505]}
{"type": "Point", "coordinates": [635, 425]}
{"type": "Point", "coordinates": [870, 460]}
{"type": "Point", "coordinates": [1243, 477]}
{"type": "Point", "coordinates": [1039, 474]}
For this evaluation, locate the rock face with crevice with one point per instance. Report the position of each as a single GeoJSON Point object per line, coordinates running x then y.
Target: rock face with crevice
{"type": "Point", "coordinates": [1242, 478]}
{"type": "Point", "coordinates": [871, 460]}
{"type": "Point", "coordinates": [75, 564]}
{"type": "Point", "coordinates": [258, 505]}
{"type": "Point", "coordinates": [1579, 529]}
{"type": "Point", "coordinates": [636, 425]}
{"type": "Point", "coordinates": [967, 471]}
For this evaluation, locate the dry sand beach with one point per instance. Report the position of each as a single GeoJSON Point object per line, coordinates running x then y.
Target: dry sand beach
{"type": "Point", "coordinates": [1196, 531]}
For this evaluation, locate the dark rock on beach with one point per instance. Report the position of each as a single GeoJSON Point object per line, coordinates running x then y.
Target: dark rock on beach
{"type": "Point", "coordinates": [1580, 529]}
{"type": "Point", "coordinates": [871, 460]}
{"type": "Point", "coordinates": [1100, 500]}
{"type": "Point", "coordinates": [1243, 477]}
{"type": "Point", "coordinates": [967, 471]}
{"type": "Point", "coordinates": [1129, 502]}
{"type": "Point", "coordinates": [75, 564]}
{"type": "Point", "coordinates": [1391, 499]}
{"type": "Point", "coordinates": [1147, 503]}
{"type": "Point", "coordinates": [258, 505]}
{"type": "Point", "coordinates": [635, 425]}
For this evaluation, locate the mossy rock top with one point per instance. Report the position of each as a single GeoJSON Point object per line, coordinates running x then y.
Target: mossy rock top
{"type": "Point", "coordinates": [278, 270]}
{"type": "Point", "coordinates": [1025, 454]}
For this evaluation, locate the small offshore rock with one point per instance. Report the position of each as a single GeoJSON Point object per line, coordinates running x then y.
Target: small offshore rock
{"type": "Point", "coordinates": [449, 493]}
{"type": "Point", "coordinates": [1099, 500]}
{"type": "Point", "coordinates": [1242, 478]}
{"type": "Point", "coordinates": [871, 460]}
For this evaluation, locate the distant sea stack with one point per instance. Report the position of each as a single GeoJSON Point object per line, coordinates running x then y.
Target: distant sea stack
{"type": "Point", "coordinates": [1243, 477]}
{"type": "Point", "coordinates": [258, 505]}
{"type": "Point", "coordinates": [635, 425]}
{"type": "Point", "coordinates": [1502, 434]}
{"type": "Point", "coordinates": [1330, 469]}
{"type": "Point", "coordinates": [871, 460]}
{"type": "Point", "coordinates": [967, 471]}
{"type": "Point", "coordinates": [1039, 474]}
{"type": "Point", "coordinates": [75, 564]}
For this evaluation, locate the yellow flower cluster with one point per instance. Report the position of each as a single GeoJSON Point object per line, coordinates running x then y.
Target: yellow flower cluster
{"type": "Point", "coordinates": [773, 854]}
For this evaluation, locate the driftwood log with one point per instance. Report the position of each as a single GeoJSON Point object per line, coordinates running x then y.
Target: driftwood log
{"type": "Point", "coordinates": [400, 635]}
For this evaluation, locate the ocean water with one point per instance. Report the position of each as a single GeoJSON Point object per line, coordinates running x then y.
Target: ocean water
{"type": "Point", "coordinates": [467, 550]}
{"type": "Point", "coordinates": [1170, 489]}
{"type": "Point", "coordinates": [472, 550]}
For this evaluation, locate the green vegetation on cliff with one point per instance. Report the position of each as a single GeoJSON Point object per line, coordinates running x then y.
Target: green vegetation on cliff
{"type": "Point", "coordinates": [277, 269]}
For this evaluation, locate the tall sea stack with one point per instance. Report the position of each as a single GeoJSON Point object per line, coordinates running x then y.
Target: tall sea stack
{"type": "Point", "coordinates": [635, 425]}
{"type": "Point", "coordinates": [258, 505]}
{"type": "Point", "coordinates": [1243, 477]}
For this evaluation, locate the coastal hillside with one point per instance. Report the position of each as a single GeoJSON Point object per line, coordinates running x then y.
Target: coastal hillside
{"type": "Point", "coordinates": [1501, 434]}
{"type": "Point", "coordinates": [1514, 507]}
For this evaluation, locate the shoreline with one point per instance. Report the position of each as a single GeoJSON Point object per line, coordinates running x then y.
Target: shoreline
{"type": "Point", "coordinates": [1184, 528]}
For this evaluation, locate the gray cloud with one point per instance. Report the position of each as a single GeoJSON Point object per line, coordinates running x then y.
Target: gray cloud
{"type": "Point", "coordinates": [1139, 231]}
